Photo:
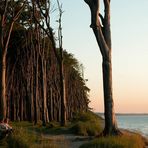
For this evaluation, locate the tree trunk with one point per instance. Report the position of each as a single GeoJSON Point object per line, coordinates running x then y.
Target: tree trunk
{"type": "Point", "coordinates": [63, 94]}
{"type": "Point", "coordinates": [21, 108]}
{"type": "Point", "coordinates": [31, 99]}
{"type": "Point", "coordinates": [3, 106]}
{"type": "Point", "coordinates": [51, 104]}
{"type": "Point", "coordinates": [110, 119]}
{"type": "Point", "coordinates": [44, 95]}
{"type": "Point", "coordinates": [36, 91]}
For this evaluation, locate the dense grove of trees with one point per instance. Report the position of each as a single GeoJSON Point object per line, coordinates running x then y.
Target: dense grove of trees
{"type": "Point", "coordinates": [30, 85]}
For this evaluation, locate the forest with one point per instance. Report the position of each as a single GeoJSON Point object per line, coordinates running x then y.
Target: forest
{"type": "Point", "coordinates": [39, 79]}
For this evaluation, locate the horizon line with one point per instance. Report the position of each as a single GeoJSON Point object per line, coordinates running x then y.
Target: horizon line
{"type": "Point", "coordinates": [125, 113]}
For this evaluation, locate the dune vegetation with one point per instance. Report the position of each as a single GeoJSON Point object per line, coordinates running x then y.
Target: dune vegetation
{"type": "Point", "coordinates": [28, 135]}
{"type": "Point", "coordinates": [132, 141]}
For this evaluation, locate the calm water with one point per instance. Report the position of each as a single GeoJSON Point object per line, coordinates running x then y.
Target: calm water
{"type": "Point", "coordinates": [137, 123]}
{"type": "Point", "coordinates": [133, 122]}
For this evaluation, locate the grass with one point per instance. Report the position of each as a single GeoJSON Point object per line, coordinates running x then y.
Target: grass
{"type": "Point", "coordinates": [132, 141]}
{"type": "Point", "coordinates": [27, 135]}
{"type": "Point", "coordinates": [86, 124]}
{"type": "Point", "coordinates": [24, 136]}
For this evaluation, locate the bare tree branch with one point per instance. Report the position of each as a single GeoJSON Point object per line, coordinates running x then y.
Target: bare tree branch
{"type": "Point", "coordinates": [48, 31]}
{"type": "Point", "coordinates": [96, 26]}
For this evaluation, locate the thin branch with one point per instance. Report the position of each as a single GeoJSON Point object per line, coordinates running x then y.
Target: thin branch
{"type": "Point", "coordinates": [49, 34]}
{"type": "Point", "coordinates": [95, 25]}
{"type": "Point", "coordinates": [8, 38]}
{"type": "Point", "coordinates": [107, 10]}
{"type": "Point", "coordinates": [101, 42]}
{"type": "Point", "coordinates": [4, 12]}
{"type": "Point", "coordinates": [18, 13]}
{"type": "Point", "coordinates": [11, 27]}
{"type": "Point", "coordinates": [5, 7]}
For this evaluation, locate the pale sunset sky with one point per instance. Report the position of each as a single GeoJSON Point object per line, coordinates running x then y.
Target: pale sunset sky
{"type": "Point", "coordinates": [129, 26]}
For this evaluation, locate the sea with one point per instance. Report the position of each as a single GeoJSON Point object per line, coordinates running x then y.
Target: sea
{"type": "Point", "coordinates": [133, 122]}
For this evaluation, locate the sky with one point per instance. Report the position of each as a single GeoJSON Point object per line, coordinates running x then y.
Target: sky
{"type": "Point", "coordinates": [129, 27]}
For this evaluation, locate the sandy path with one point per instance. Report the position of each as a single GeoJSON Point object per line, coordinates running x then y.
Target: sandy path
{"type": "Point", "coordinates": [67, 140]}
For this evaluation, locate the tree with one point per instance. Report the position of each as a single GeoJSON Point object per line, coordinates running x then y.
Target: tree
{"type": "Point", "coordinates": [33, 74]}
{"type": "Point", "coordinates": [61, 68]}
{"type": "Point", "coordinates": [101, 28]}
{"type": "Point", "coordinates": [44, 23]}
{"type": "Point", "coordinates": [9, 13]}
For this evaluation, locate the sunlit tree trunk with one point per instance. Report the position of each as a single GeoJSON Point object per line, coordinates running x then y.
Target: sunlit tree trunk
{"type": "Point", "coordinates": [36, 90]}
{"type": "Point", "coordinates": [3, 86]}
{"type": "Point", "coordinates": [44, 91]}
{"type": "Point", "coordinates": [61, 67]}
{"type": "Point", "coordinates": [63, 93]}
{"type": "Point", "coordinates": [31, 94]}
{"type": "Point", "coordinates": [3, 53]}
{"type": "Point", "coordinates": [101, 28]}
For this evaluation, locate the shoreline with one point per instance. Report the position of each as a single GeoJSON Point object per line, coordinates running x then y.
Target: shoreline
{"type": "Point", "coordinates": [129, 132]}
{"type": "Point", "coordinates": [125, 130]}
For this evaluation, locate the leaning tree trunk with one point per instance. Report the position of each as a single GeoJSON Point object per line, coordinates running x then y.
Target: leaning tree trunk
{"type": "Point", "coordinates": [3, 53]}
{"type": "Point", "coordinates": [101, 29]}
{"type": "Point", "coordinates": [4, 41]}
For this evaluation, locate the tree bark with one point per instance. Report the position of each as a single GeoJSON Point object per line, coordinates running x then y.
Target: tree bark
{"type": "Point", "coordinates": [44, 95]}
{"type": "Point", "coordinates": [3, 86]}
{"type": "Point", "coordinates": [110, 119]}
{"type": "Point", "coordinates": [36, 90]}
{"type": "Point", "coordinates": [3, 53]}
{"type": "Point", "coordinates": [51, 104]}
{"type": "Point", "coordinates": [62, 93]}
{"type": "Point", "coordinates": [61, 69]}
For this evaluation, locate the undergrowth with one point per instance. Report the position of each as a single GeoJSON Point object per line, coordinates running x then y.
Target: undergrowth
{"type": "Point", "coordinates": [86, 124]}
{"type": "Point", "coordinates": [132, 141]}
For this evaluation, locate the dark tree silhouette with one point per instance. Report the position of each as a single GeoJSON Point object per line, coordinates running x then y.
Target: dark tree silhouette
{"type": "Point", "coordinates": [9, 13]}
{"type": "Point", "coordinates": [32, 76]}
{"type": "Point", "coordinates": [101, 28]}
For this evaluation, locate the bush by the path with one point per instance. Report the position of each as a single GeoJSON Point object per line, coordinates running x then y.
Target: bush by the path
{"type": "Point", "coordinates": [24, 136]}
{"type": "Point", "coordinates": [86, 123]}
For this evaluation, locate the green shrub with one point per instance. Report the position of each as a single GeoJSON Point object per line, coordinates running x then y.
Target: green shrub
{"type": "Point", "coordinates": [19, 138]}
{"type": "Point", "coordinates": [85, 116]}
{"type": "Point", "coordinates": [86, 123]}
{"type": "Point", "coordinates": [52, 124]}
{"type": "Point", "coordinates": [134, 141]}
{"type": "Point", "coordinates": [86, 128]}
{"type": "Point", "coordinates": [24, 138]}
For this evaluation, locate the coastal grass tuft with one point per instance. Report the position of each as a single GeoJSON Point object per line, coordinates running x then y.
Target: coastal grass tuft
{"type": "Point", "coordinates": [125, 141]}
{"type": "Point", "coordinates": [86, 124]}
{"type": "Point", "coordinates": [22, 137]}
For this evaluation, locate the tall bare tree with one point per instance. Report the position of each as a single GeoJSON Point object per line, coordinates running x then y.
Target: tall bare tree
{"type": "Point", "coordinates": [61, 66]}
{"type": "Point", "coordinates": [101, 27]}
{"type": "Point", "coordinates": [44, 9]}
